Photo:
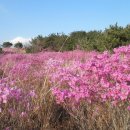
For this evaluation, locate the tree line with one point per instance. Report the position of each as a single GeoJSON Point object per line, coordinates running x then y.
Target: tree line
{"type": "Point", "coordinates": [9, 44]}
{"type": "Point", "coordinates": [111, 37]}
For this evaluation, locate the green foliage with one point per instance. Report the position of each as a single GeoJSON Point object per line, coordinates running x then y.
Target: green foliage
{"type": "Point", "coordinates": [7, 44]}
{"type": "Point", "coordinates": [29, 49]}
{"type": "Point", "coordinates": [111, 37]}
{"type": "Point", "coordinates": [55, 41]}
{"type": "Point", "coordinates": [18, 45]}
{"type": "Point", "coordinates": [37, 45]}
{"type": "Point", "coordinates": [76, 38]}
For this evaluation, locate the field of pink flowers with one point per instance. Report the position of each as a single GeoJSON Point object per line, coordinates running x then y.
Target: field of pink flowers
{"type": "Point", "coordinates": [74, 90]}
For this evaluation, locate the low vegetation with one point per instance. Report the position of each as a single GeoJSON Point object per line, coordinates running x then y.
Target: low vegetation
{"type": "Point", "coordinates": [73, 90]}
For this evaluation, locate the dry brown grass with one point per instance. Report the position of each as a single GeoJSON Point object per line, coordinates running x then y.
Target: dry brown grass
{"type": "Point", "coordinates": [47, 115]}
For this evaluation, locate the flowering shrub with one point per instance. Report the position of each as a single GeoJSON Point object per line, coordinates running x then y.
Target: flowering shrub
{"type": "Point", "coordinates": [104, 77]}
{"type": "Point", "coordinates": [14, 101]}
{"type": "Point", "coordinates": [85, 76]}
{"type": "Point", "coordinates": [76, 77]}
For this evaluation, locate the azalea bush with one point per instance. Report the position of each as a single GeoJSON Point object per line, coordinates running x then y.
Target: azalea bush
{"type": "Point", "coordinates": [104, 77]}
{"type": "Point", "coordinates": [77, 89]}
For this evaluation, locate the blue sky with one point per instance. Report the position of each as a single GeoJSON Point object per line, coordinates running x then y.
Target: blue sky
{"type": "Point", "coordinates": [29, 18]}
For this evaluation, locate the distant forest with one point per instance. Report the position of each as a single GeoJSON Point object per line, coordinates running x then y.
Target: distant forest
{"type": "Point", "coordinates": [112, 37]}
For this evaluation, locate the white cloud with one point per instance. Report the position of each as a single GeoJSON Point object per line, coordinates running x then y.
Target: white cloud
{"type": "Point", "coordinates": [25, 41]}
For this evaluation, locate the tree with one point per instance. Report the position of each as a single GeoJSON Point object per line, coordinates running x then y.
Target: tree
{"type": "Point", "coordinates": [7, 44]}
{"type": "Point", "coordinates": [56, 42]}
{"type": "Point", "coordinates": [37, 44]}
{"type": "Point", "coordinates": [127, 33]}
{"type": "Point", "coordinates": [76, 39]}
{"type": "Point", "coordinates": [18, 45]}
{"type": "Point", "coordinates": [115, 36]}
